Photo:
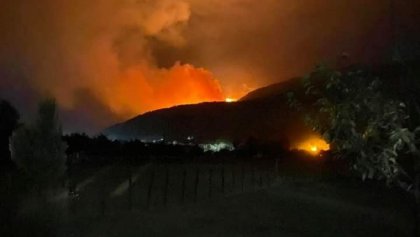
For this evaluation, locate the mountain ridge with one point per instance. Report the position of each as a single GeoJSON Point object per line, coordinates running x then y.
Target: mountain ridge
{"type": "Point", "coordinates": [262, 114]}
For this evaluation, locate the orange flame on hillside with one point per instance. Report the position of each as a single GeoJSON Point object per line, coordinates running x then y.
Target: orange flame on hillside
{"type": "Point", "coordinates": [230, 100]}
{"type": "Point", "coordinates": [145, 89]}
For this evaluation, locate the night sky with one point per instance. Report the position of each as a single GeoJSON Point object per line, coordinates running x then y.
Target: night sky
{"type": "Point", "coordinates": [106, 61]}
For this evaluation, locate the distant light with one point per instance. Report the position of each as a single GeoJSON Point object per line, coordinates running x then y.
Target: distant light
{"type": "Point", "coordinates": [314, 148]}
{"type": "Point", "coordinates": [230, 100]}
{"type": "Point", "coordinates": [217, 146]}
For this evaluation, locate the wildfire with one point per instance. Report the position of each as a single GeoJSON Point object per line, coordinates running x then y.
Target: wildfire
{"type": "Point", "coordinates": [314, 148]}
{"type": "Point", "coordinates": [145, 89]}
{"type": "Point", "coordinates": [230, 100]}
{"type": "Point", "coordinates": [313, 145]}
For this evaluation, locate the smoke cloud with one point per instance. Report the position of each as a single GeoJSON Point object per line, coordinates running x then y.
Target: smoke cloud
{"type": "Point", "coordinates": [109, 60]}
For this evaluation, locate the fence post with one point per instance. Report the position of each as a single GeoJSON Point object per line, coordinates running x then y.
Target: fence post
{"type": "Point", "coordinates": [267, 177]}
{"type": "Point", "coordinates": [197, 177]}
{"type": "Point", "coordinates": [254, 182]}
{"type": "Point", "coordinates": [165, 191]}
{"type": "Point", "coordinates": [242, 177]}
{"type": "Point", "coordinates": [150, 188]}
{"type": "Point", "coordinates": [210, 181]}
{"type": "Point", "coordinates": [69, 175]}
{"type": "Point", "coordinates": [130, 188]}
{"type": "Point", "coordinates": [233, 177]}
{"type": "Point", "coordinates": [103, 201]}
{"type": "Point", "coordinates": [103, 206]}
{"type": "Point", "coordinates": [223, 178]}
{"type": "Point", "coordinates": [184, 177]}
{"type": "Point", "coordinates": [9, 183]}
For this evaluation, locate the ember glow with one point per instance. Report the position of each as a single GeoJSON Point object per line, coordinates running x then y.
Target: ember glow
{"type": "Point", "coordinates": [312, 145]}
{"type": "Point", "coordinates": [230, 100]}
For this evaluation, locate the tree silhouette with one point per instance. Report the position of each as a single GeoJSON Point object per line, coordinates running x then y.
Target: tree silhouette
{"type": "Point", "coordinates": [9, 118]}
{"type": "Point", "coordinates": [38, 149]}
{"type": "Point", "coordinates": [372, 122]}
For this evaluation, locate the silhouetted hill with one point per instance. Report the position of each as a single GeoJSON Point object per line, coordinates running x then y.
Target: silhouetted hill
{"type": "Point", "coordinates": [273, 90]}
{"type": "Point", "coordinates": [262, 114]}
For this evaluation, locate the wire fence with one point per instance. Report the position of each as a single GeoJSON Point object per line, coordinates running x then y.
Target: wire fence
{"type": "Point", "coordinates": [164, 185]}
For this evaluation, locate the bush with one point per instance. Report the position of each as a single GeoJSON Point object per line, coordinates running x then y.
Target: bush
{"type": "Point", "coordinates": [38, 149]}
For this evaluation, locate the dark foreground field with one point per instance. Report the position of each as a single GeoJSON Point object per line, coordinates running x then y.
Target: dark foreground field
{"type": "Point", "coordinates": [300, 199]}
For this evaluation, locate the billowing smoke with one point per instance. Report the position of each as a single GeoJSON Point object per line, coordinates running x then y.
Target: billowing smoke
{"type": "Point", "coordinates": [96, 57]}
{"type": "Point", "coordinates": [107, 60]}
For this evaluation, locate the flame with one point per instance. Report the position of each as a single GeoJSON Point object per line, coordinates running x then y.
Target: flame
{"type": "Point", "coordinates": [313, 145]}
{"type": "Point", "coordinates": [230, 100]}
{"type": "Point", "coordinates": [139, 90]}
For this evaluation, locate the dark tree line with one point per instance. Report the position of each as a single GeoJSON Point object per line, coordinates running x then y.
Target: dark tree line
{"type": "Point", "coordinates": [100, 149]}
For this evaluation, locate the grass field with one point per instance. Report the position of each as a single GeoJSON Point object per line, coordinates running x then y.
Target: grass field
{"type": "Point", "coordinates": [301, 199]}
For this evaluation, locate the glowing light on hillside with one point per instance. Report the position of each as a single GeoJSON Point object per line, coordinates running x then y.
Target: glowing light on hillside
{"type": "Point", "coordinates": [313, 145]}
{"type": "Point", "coordinates": [230, 100]}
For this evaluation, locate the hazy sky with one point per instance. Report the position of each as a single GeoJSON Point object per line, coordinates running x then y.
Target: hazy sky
{"type": "Point", "coordinates": [108, 60]}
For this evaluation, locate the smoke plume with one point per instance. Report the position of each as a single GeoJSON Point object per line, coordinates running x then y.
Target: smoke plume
{"type": "Point", "coordinates": [112, 59]}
